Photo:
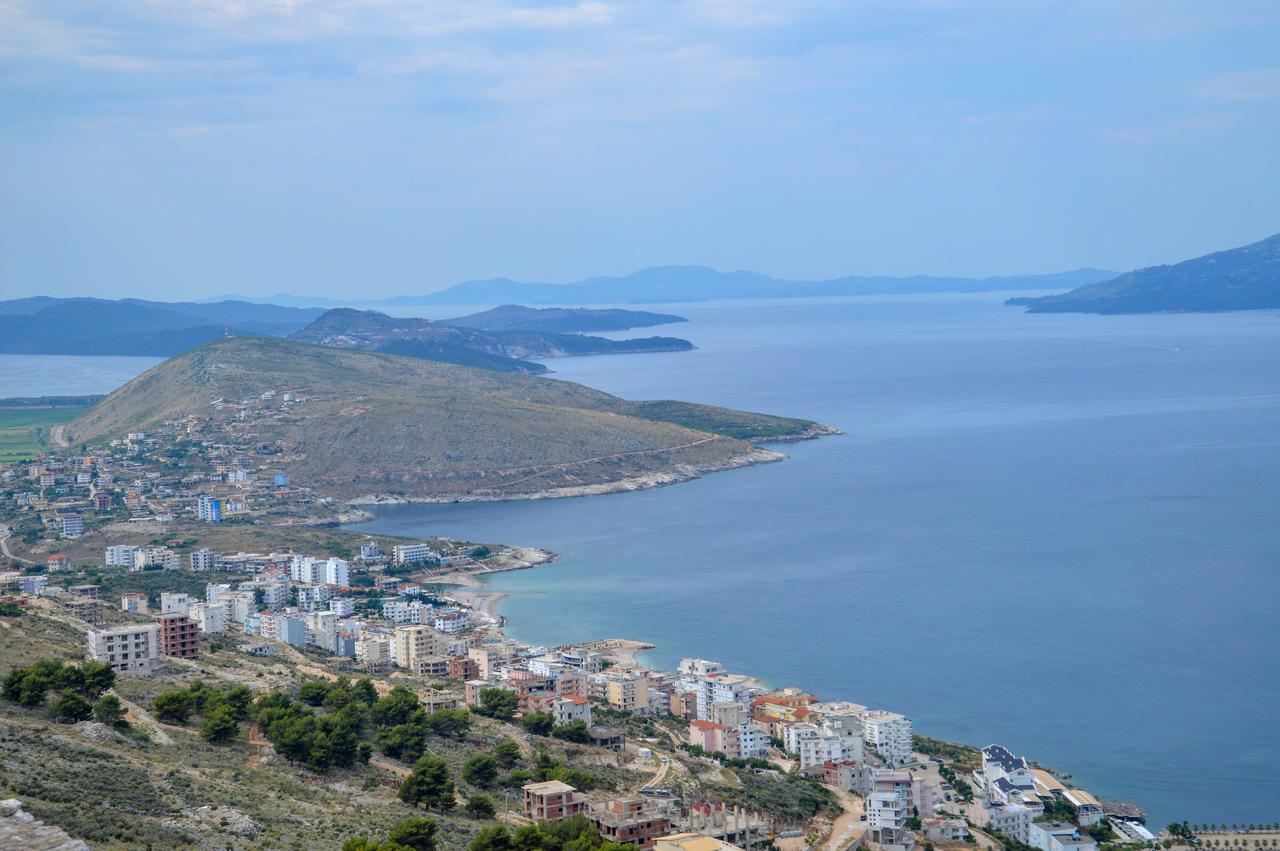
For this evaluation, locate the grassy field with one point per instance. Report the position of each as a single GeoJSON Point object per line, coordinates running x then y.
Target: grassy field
{"type": "Point", "coordinates": [25, 431]}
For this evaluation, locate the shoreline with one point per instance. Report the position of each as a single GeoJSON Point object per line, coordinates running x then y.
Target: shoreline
{"type": "Point", "coordinates": [646, 481]}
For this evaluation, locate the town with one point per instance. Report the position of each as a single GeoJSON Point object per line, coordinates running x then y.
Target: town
{"type": "Point", "coordinates": [140, 549]}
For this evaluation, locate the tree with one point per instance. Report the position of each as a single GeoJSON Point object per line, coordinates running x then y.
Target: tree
{"type": "Point", "coordinates": [481, 770]}
{"type": "Point", "coordinates": [428, 785]}
{"type": "Point", "coordinates": [493, 838]}
{"type": "Point", "coordinates": [574, 731]}
{"type": "Point", "coordinates": [70, 708]}
{"type": "Point", "coordinates": [507, 753]}
{"type": "Point", "coordinates": [481, 807]}
{"type": "Point", "coordinates": [415, 832]}
{"type": "Point", "coordinates": [497, 703]}
{"type": "Point", "coordinates": [538, 723]}
{"type": "Point", "coordinates": [239, 699]}
{"type": "Point", "coordinates": [364, 691]}
{"type": "Point", "coordinates": [108, 710]}
{"type": "Point", "coordinates": [220, 726]}
{"type": "Point", "coordinates": [364, 843]}
{"type": "Point", "coordinates": [173, 707]}
{"type": "Point", "coordinates": [395, 707]}
{"type": "Point", "coordinates": [449, 723]}
{"type": "Point", "coordinates": [313, 692]}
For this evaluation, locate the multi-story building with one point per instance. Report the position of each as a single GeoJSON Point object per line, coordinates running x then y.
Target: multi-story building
{"type": "Point", "coordinates": [632, 820]}
{"type": "Point", "coordinates": [342, 606]}
{"type": "Point", "coordinates": [463, 668]}
{"type": "Point", "coordinates": [179, 635]}
{"type": "Point", "coordinates": [1013, 820]}
{"type": "Point", "coordinates": [628, 693]}
{"type": "Point", "coordinates": [753, 738]}
{"type": "Point", "coordinates": [407, 612]}
{"type": "Point", "coordinates": [889, 733]}
{"type": "Point", "coordinates": [204, 559]}
{"type": "Point", "coordinates": [72, 525]}
{"type": "Point", "coordinates": [413, 554]}
{"type": "Point", "coordinates": [570, 708]}
{"type": "Point", "coordinates": [209, 509]}
{"type": "Point", "coordinates": [451, 623]}
{"type": "Point", "coordinates": [134, 604]}
{"type": "Point", "coordinates": [714, 738]}
{"type": "Point", "coordinates": [416, 646]}
{"type": "Point", "coordinates": [312, 598]}
{"type": "Point", "coordinates": [374, 653]}
{"type": "Point", "coordinates": [710, 685]}
{"type": "Point", "coordinates": [889, 806]}
{"type": "Point", "coordinates": [211, 618]}
{"type": "Point", "coordinates": [552, 800]}
{"type": "Point", "coordinates": [129, 649]}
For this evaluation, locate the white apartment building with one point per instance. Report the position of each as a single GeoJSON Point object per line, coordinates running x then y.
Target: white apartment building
{"type": "Point", "coordinates": [312, 598]}
{"type": "Point", "coordinates": [210, 617]}
{"type": "Point", "coordinates": [889, 806]}
{"type": "Point", "coordinates": [204, 559]}
{"type": "Point", "coordinates": [342, 606]}
{"type": "Point", "coordinates": [753, 738]}
{"type": "Point", "coordinates": [413, 553]}
{"type": "Point", "coordinates": [407, 612]}
{"type": "Point", "coordinates": [171, 601]}
{"type": "Point", "coordinates": [451, 623]}
{"type": "Point", "coordinates": [1008, 779]}
{"type": "Point", "coordinates": [374, 652]}
{"type": "Point", "coordinates": [710, 685]}
{"type": "Point", "coordinates": [212, 592]}
{"type": "Point", "coordinates": [571, 707]}
{"type": "Point", "coordinates": [889, 733]}
{"type": "Point", "coordinates": [1013, 820]}
{"type": "Point", "coordinates": [128, 649]}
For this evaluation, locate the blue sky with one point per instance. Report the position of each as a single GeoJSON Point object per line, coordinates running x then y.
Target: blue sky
{"type": "Point", "coordinates": [167, 148]}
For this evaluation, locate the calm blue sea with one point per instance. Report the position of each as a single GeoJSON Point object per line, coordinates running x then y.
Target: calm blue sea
{"type": "Point", "coordinates": [1055, 532]}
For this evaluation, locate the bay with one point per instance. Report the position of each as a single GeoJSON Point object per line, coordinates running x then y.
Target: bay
{"type": "Point", "coordinates": [1055, 532]}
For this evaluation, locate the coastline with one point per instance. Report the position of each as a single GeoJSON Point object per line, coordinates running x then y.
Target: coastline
{"type": "Point", "coordinates": [679, 473]}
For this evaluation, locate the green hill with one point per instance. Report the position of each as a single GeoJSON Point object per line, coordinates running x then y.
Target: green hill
{"type": "Point", "coordinates": [563, 320]}
{"type": "Point", "coordinates": [378, 424]}
{"type": "Point", "coordinates": [1246, 278]}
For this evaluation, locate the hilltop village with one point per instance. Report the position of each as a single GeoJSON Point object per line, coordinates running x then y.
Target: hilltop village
{"type": "Point", "coordinates": [219, 610]}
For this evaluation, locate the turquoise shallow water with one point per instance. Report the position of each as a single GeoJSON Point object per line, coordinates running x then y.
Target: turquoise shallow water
{"type": "Point", "coordinates": [1055, 532]}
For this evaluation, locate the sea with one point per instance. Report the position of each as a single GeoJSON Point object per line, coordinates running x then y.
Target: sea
{"type": "Point", "coordinates": [1060, 533]}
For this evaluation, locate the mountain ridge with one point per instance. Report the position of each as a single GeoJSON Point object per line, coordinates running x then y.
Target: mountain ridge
{"type": "Point", "coordinates": [1242, 278]}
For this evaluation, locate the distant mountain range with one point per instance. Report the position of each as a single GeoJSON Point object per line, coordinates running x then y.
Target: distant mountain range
{"type": "Point", "coordinates": [503, 351]}
{"type": "Point", "coordinates": [1246, 278]}
{"type": "Point", "coordinates": [93, 326]}
{"type": "Point", "coordinates": [673, 284]}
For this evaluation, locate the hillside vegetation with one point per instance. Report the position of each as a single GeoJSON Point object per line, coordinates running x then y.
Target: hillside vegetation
{"type": "Point", "coordinates": [378, 424]}
{"type": "Point", "coordinates": [564, 320]}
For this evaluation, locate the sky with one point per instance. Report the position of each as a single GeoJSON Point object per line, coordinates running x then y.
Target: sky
{"type": "Point", "coordinates": [348, 148]}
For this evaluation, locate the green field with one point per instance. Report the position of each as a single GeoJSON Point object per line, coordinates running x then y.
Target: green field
{"type": "Point", "coordinates": [25, 431]}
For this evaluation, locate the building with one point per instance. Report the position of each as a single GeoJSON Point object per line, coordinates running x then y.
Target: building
{"type": "Point", "coordinates": [57, 561]}
{"type": "Point", "coordinates": [312, 598]}
{"type": "Point", "coordinates": [714, 738]}
{"type": "Point", "coordinates": [209, 509]}
{"type": "Point", "coordinates": [211, 618]}
{"type": "Point", "coordinates": [373, 652]}
{"type": "Point", "coordinates": [889, 733]}
{"type": "Point", "coordinates": [570, 708]}
{"type": "Point", "coordinates": [632, 820]}
{"type": "Point", "coordinates": [733, 825]}
{"type": "Point", "coordinates": [343, 607]}
{"type": "Point", "coordinates": [630, 694]}
{"type": "Point", "coordinates": [204, 559]}
{"type": "Point", "coordinates": [1059, 836]}
{"type": "Point", "coordinates": [417, 647]}
{"type": "Point", "coordinates": [172, 601]}
{"type": "Point", "coordinates": [463, 668]}
{"type": "Point", "coordinates": [179, 635]}
{"type": "Point", "coordinates": [404, 554]}
{"type": "Point", "coordinates": [72, 525]}
{"type": "Point", "coordinates": [692, 842]}
{"type": "Point", "coordinates": [552, 800]}
{"type": "Point", "coordinates": [134, 604]}
{"type": "Point", "coordinates": [451, 623]}
{"type": "Point", "coordinates": [1088, 808]}
{"type": "Point", "coordinates": [1013, 820]}
{"type": "Point", "coordinates": [889, 806]}
{"type": "Point", "coordinates": [1008, 779]}
{"type": "Point", "coordinates": [132, 649]}
{"type": "Point", "coordinates": [949, 830]}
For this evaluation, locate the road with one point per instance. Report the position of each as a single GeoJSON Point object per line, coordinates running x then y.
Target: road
{"type": "Point", "coordinates": [5, 532]}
